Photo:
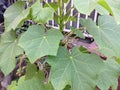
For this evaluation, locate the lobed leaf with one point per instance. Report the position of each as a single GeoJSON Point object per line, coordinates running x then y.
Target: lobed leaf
{"type": "Point", "coordinates": [36, 82]}
{"type": "Point", "coordinates": [38, 43]}
{"type": "Point", "coordinates": [109, 75]}
{"type": "Point", "coordinates": [106, 35]}
{"type": "Point", "coordinates": [40, 14]}
{"type": "Point", "coordinates": [82, 71]}
{"type": "Point", "coordinates": [112, 6]}
{"type": "Point", "coordinates": [8, 51]}
{"type": "Point", "coordinates": [15, 15]}
{"type": "Point", "coordinates": [79, 70]}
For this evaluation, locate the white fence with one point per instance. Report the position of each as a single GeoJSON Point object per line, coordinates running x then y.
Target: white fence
{"type": "Point", "coordinates": [93, 15]}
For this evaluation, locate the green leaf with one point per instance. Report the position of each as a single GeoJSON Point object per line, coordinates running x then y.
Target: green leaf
{"type": "Point", "coordinates": [110, 7]}
{"type": "Point", "coordinates": [106, 35]}
{"type": "Point", "coordinates": [36, 82]}
{"type": "Point", "coordinates": [118, 60]}
{"type": "Point", "coordinates": [115, 7]}
{"type": "Point", "coordinates": [83, 49]}
{"type": "Point", "coordinates": [85, 6]}
{"type": "Point", "coordinates": [8, 51]}
{"type": "Point", "coordinates": [40, 14]}
{"type": "Point", "coordinates": [108, 75]}
{"type": "Point", "coordinates": [104, 4]}
{"type": "Point", "coordinates": [77, 69]}
{"type": "Point", "coordinates": [12, 86]}
{"type": "Point", "coordinates": [53, 5]}
{"type": "Point", "coordinates": [69, 18]}
{"type": "Point", "coordinates": [101, 10]}
{"type": "Point", "coordinates": [15, 15]}
{"type": "Point", "coordinates": [30, 84]}
{"type": "Point", "coordinates": [65, 1]}
{"type": "Point", "coordinates": [30, 71]}
{"type": "Point", "coordinates": [68, 87]}
{"type": "Point", "coordinates": [79, 34]}
{"type": "Point", "coordinates": [38, 43]}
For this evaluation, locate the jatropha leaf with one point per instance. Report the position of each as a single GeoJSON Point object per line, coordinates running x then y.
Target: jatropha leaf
{"type": "Point", "coordinates": [85, 6]}
{"type": "Point", "coordinates": [104, 7]}
{"type": "Point", "coordinates": [82, 71]}
{"type": "Point", "coordinates": [77, 69]}
{"type": "Point", "coordinates": [37, 42]}
{"type": "Point", "coordinates": [108, 76]}
{"type": "Point", "coordinates": [106, 34]}
{"type": "Point", "coordinates": [35, 82]}
{"type": "Point", "coordinates": [53, 5]}
{"type": "Point", "coordinates": [40, 14]}
{"type": "Point", "coordinates": [15, 15]}
{"type": "Point", "coordinates": [8, 51]}
{"type": "Point", "coordinates": [115, 7]}
{"type": "Point", "coordinates": [30, 71]}
{"type": "Point", "coordinates": [112, 7]}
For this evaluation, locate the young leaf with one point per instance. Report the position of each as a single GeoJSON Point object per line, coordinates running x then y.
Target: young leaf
{"type": "Point", "coordinates": [82, 49]}
{"type": "Point", "coordinates": [106, 34]}
{"type": "Point", "coordinates": [77, 69]}
{"type": "Point", "coordinates": [40, 14]}
{"type": "Point", "coordinates": [85, 6]}
{"type": "Point", "coordinates": [30, 71]}
{"type": "Point", "coordinates": [65, 1]}
{"type": "Point", "coordinates": [53, 5]}
{"type": "Point", "coordinates": [79, 34]}
{"type": "Point", "coordinates": [31, 84]}
{"type": "Point", "coordinates": [38, 43]}
{"type": "Point", "coordinates": [15, 15]}
{"type": "Point", "coordinates": [36, 82]}
{"type": "Point", "coordinates": [8, 50]}
{"type": "Point", "coordinates": [69, 18]}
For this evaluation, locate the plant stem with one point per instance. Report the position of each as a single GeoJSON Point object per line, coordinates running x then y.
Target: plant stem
{"type": "Point", "coordinates": [61, 24]}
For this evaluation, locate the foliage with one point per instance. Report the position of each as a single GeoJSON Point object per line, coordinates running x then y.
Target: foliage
{"type": "Point", "coordinates": [43, 42]}
{"type": "Point", "coordinates": [16, 18]}
{"type": "Point", "coordinates": [30, 84]}
{"type": "Point", "coordinates": [9, 47]}
{"type": "Point", "coordinates": [40, 14]}
{"type": "Point", "coordinates": [102, 34]}
{"type": "Point", "coordinates": [49, 63]}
